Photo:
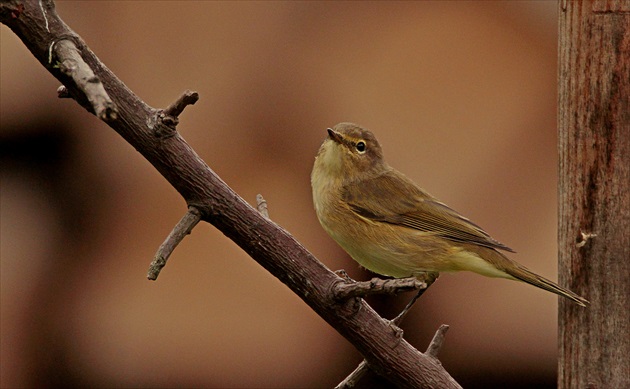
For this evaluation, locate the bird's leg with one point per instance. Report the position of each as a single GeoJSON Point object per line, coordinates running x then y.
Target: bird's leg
{"type": "Point", "coordinates": [428, 278]}
{"type": "Point", "coordinates": [396, 321]}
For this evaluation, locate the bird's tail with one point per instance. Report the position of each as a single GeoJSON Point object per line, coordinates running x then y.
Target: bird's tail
{"type": "Point", "coordinates": [515, 271]}
{"type": "Point", "coordinates": [523, 274]}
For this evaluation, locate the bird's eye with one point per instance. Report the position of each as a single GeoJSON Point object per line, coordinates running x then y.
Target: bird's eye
{"type": "Point", "coordinates": [361, 147]}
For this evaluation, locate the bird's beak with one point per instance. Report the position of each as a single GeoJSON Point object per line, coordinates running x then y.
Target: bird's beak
{"type": "Point", "coordinates": [335, 136]}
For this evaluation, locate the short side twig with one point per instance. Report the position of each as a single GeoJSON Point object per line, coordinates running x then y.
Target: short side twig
{"type": "Point", "coordinates": [183, 228]}
{"type": "Point", "coordinates": [72, 64]}
{"type": "Point", "coordinates": [351, 380]}
{"type": "Point", "coordinates": [170, 116]}
{"type": "Point", "coordinates": [585, 238]}
{"type": "Point", "coordinates": [261, 205]}
{"type": "Point", "coordinates": [187, 98]}
{"type": "Point", "coordinates": [343, 290]}
{"type": "Point", "coordinates": [437, 341]}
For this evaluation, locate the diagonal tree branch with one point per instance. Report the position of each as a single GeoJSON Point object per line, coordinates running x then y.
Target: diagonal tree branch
{"type": "Point", "coordinates": [37, 24]}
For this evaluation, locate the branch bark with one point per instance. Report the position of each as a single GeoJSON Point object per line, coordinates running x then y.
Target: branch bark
{"type": "Point", "coordinates": [594, 187]}
{"type": "Point", "coordinates": [38, 26]}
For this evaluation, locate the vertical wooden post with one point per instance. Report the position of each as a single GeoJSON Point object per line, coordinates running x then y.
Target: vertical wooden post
{"type": "Point", "coordinates": [594, 192]}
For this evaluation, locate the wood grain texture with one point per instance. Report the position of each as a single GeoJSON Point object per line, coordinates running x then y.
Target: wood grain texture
{"type": "Point", "coordinates": [594, 192]}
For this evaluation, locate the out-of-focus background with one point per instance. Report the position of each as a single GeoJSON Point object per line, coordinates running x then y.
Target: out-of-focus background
{"type": "Point", "coordinates": [461, 95]}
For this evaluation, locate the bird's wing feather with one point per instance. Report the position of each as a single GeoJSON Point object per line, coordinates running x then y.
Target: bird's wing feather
{"type": "Point", "coordinates": [379, 199]}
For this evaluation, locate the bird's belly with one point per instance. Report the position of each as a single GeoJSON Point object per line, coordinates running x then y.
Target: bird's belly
{"type": "Point", "coordinates": [402, 252]}
{"type": "Point", "coordinates": [393, 251]}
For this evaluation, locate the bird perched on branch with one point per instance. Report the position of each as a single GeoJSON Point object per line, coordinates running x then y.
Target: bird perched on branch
{"type": "Point", "coordinates": [392, 227]}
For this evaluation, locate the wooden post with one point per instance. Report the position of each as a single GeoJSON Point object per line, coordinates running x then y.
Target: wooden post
{"type": "Point", "coordinates": [594, 192]}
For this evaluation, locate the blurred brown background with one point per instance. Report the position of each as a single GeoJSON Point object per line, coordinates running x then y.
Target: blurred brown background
{"type": "Point", "coordinates": [462, 96]}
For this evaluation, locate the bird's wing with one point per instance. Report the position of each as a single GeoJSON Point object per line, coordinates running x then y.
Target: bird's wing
{"type": "Point", "coordinates": [380, 199]}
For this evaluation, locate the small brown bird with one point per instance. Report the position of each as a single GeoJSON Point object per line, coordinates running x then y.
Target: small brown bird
{"type": "Point", "coordinates": [392, 227]}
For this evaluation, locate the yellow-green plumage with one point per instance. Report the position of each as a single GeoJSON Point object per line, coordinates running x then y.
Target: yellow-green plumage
{"type": "Point", "coordinates": [391, 226]}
